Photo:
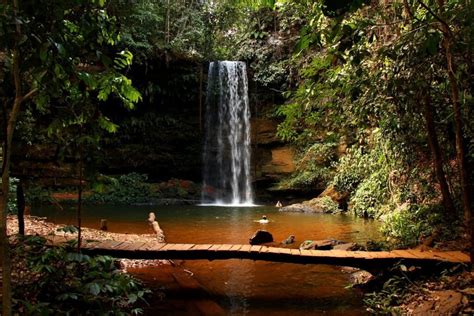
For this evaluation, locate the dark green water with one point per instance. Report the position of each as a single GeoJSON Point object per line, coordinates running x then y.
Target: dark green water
{"type": "Point", "coordinates": [243, 286]}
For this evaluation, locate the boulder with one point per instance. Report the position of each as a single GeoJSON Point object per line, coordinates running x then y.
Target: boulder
{"type": "Point", "coordinates": [316, 205]}
{"type": "Point", "coordinates": [350, 246]}
{"type": "Point", "coordinates": [339, 197]}
{"type": "Point", "coordinates": [297, 207]}
{"type": "Point", "coordinates": [307, 245]}
{"type": "Point", "coordinates": [289, 240]}
{"type": "Point", "coordinates": [260, 237]}
{"type": "Point", "coordinates": [325, 244]}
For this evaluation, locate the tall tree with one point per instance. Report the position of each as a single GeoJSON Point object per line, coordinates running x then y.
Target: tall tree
{"type": "Point", "coordinates": [54, 54]}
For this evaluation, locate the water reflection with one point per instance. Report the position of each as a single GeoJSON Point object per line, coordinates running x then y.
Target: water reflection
{"type": "Point", "coordinates": [244, 286]}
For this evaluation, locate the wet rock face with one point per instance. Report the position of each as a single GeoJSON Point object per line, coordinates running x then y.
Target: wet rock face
{"type": "Point", "coordinates": [264, 131]}
{"type": "Point", "coordinates": [282, 162]}
{"type": "Point", "coordinates": [260, 237]}
{"type": "Point", "coordinates": [271, 158]}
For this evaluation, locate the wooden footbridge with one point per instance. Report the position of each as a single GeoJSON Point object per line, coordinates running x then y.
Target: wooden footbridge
{"type": "Point", "coordinates": [367, 260]}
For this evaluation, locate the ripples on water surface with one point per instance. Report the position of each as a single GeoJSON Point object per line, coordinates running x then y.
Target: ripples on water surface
{"type": "Point", "coordinates": [243, 286]}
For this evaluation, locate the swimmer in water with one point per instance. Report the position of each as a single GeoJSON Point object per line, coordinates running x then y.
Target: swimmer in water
{"type": "Point", "coordinates": [263, 220]}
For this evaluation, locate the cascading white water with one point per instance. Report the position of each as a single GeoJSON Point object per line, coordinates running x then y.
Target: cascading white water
{"type": "Point", "coordinates": [226, 159]}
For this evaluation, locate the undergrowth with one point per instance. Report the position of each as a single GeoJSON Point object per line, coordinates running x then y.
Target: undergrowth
{"type": "Point", "coordinates": [59, 281]}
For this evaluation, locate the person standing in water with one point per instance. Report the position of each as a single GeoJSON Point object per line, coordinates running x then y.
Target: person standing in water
{"type": "Point", "coordinates": [263, 220]}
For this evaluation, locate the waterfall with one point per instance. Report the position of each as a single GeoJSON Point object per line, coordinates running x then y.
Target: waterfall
{"type": "Point", "coordinates": [226, 158]}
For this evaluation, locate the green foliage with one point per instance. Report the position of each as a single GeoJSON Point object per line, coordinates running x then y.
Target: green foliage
{"type": "Point", "coordinates": [370, 195]}
{"type": "Point", "coordinates": [61, 282]}
{"type": "Point", "coordinates": [392, 293]}
{"type": "Point", "coordinates": [153, 28]}
{"type": "Point", "coordinates": [312, 168]}
{"type": "Point", "coordinates": [266, 35]}
{"type": "Point", "coordinates": [12, 207]}
{"type": "Point", "coordinates": [406, 225]}
{"type": "Point", "coordinates": [35, 194]}
{"type": "Point", "coordinates": [133, 188]}
{"type": "Point", "coordinates": [351, 169]}
{"type": "Point", "coordinates": [175, 188]}
{"type": "Point", "coordinates": [125, 189]}
{"type": "Point", "coordinates": [328, 205]}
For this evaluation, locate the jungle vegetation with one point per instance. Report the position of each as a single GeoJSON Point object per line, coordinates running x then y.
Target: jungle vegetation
{"type": "Point", "coordinates": [375, 96]}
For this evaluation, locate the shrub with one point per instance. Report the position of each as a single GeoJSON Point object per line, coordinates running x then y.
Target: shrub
{"type": "Point", "coordinates": [392, 293]}
{"type": "Point", "coordinates": [328, 205]}
{"type": "Point", "coordinates": [125, 189]}
{"type": "Point", "coordinates": [370, 195]}
{"type": "Point", "coordinates": [406, 225]}
{"type": "Point", "coordinates": [312, 169]}
{"type": "Point", "coordinates": [57, 281]}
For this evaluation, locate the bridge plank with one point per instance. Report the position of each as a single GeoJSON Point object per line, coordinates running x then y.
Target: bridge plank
{"type": "Point", "coordinates": [167, 247]}
{"type": "Point", "coordinates": [152, 246]}
{"type": "Point", "coordinates": [421, 254]}
{"type": "Point", "coordinates": [133, 246]}
{"type": "Point", "coordinates": [451, 256]}
{"type": "Point", "coordinates": [185, 246]}
{"type": "Point", "coordinates": [174, 247]}
{"type": "Point", "coordinates": [285, 251]}
{"type": "Point", "coordinates": [273, 250]}
{"type": "Point", "coordinates": [123, 246]}
{"type": "Point", "coordinates": [295, 252]}
{"type": "Point", "coordinates": [305, 253]}
{"type": "Point", "coordinates": [225, 247]}
{"type": "Point", "coordinates": [110, 244]}
{"type": "Point", "coordinates": [356, 254]}
{"type": "Point", "coordinates": [255, 248]}
{"type": "Point", "coordinates": [118, 245]}
{"type": "Point", "coordinates": [215, 247]}
{"type": "Point", "coordinates": [403, 254]}
{"type": "Point", "coordinates": [236, 247]}
{"type": "Point", "coordinates": [459, 256]}
{"type": "Point", "coordinates": [245, 248]}
{"type": "Point", "coordinates": [201, 247]}
{"type": "Point", "coordinates": [374, 255]}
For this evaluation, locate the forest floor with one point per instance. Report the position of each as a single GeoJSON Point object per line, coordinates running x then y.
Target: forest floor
{"type": "Point", "coordinates": [450, 293]}
{"type": "Point", "coordinates": [444, 295]}
{"type": "Point", "coordinates": [175, 291]}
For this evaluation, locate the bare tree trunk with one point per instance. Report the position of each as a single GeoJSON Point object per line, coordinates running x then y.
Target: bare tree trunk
{"type": "Point", "coordinates": [461, 154]}
{"type": "Point", "coordinates": [79, 200]}
{"type": "Point", "coordinates": [437, 157]}
{"type": "Point", "coordinates": [7, 145]}
{"type": "Point", "coordinates": [4, 243]}
{"type": "Point", "coordinates": [20, 202]}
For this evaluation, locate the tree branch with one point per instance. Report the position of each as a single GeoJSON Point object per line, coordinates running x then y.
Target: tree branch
{"type": "Point", "coordinates": [446, 25]}
{"type": "Point", "coordinates": [29, 95]}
